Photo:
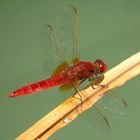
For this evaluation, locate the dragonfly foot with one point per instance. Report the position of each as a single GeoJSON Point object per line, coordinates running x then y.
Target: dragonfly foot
{"type": "Point", "coordinates": [78, 98]}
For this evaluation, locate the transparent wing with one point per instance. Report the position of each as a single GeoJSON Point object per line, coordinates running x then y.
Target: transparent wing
{"type": "Point", "coordinates": [113, 103]}
{"type": "Point", "coordinates": [96, 118]}
{"type": "Point", "coordinates": [52, 57]}
{"type": "Point", "coordinates": [58, 51]}
{"type": "Point", "coordinates": [110, 101]}
{"type": "Point", "coordinates": [68, 35]}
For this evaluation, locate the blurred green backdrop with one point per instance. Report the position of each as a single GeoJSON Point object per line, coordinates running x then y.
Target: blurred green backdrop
{"type": "Point", "coordinates": [109, 30]}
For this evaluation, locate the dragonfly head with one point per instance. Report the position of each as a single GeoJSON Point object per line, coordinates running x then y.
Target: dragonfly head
{"type": "Point", "coordinates": [99, 66]}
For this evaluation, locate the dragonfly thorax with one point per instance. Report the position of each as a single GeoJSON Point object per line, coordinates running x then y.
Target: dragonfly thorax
{"type": "Point", "coordinates": [80, 70]}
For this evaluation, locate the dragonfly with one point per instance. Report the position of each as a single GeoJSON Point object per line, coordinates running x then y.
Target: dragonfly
{"type": "Point", "coordinates": [64, 68]}
{"type": "Point", "coordinates": [68, 73]}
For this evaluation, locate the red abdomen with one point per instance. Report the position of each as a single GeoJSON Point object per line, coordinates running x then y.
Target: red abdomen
{"type": "Point", "coordinates": [41, 85]}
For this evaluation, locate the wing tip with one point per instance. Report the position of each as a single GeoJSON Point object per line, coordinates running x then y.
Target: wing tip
{"type": "Point", "coordinates": [50, 28]}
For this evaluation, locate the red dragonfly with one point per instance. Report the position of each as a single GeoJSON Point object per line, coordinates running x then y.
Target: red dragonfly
{"type": "Point", "coordinates": [69, 71]}
{"type": "Point", "coordinates": [65, 68]}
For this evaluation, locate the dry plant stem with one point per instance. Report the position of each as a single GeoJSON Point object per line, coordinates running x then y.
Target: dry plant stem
{"type": "Point", "coordinates": [71, 108]}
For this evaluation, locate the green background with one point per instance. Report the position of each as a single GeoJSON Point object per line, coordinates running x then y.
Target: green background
{"type": "Point", "coordinates": [108, 29]}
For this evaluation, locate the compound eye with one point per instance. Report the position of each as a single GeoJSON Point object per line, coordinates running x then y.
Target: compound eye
{"type": "Point", "coordinates": [103, 67]}
{"type": "Point", "coordinates": [100, 66]}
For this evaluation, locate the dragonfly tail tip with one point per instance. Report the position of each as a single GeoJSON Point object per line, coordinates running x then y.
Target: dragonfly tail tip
{"type": "Point", "coordinates": [11, 95]}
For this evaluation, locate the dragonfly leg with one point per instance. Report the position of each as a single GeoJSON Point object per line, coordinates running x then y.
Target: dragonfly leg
{"type": "Point", "coordinates": [95, 81]}
{"type": "Point", "coordinates": [76, 93]}
{"type": "Point", "coordinates": [77, 90]}
{"type": "Point", "coordinates": [78, 98]}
